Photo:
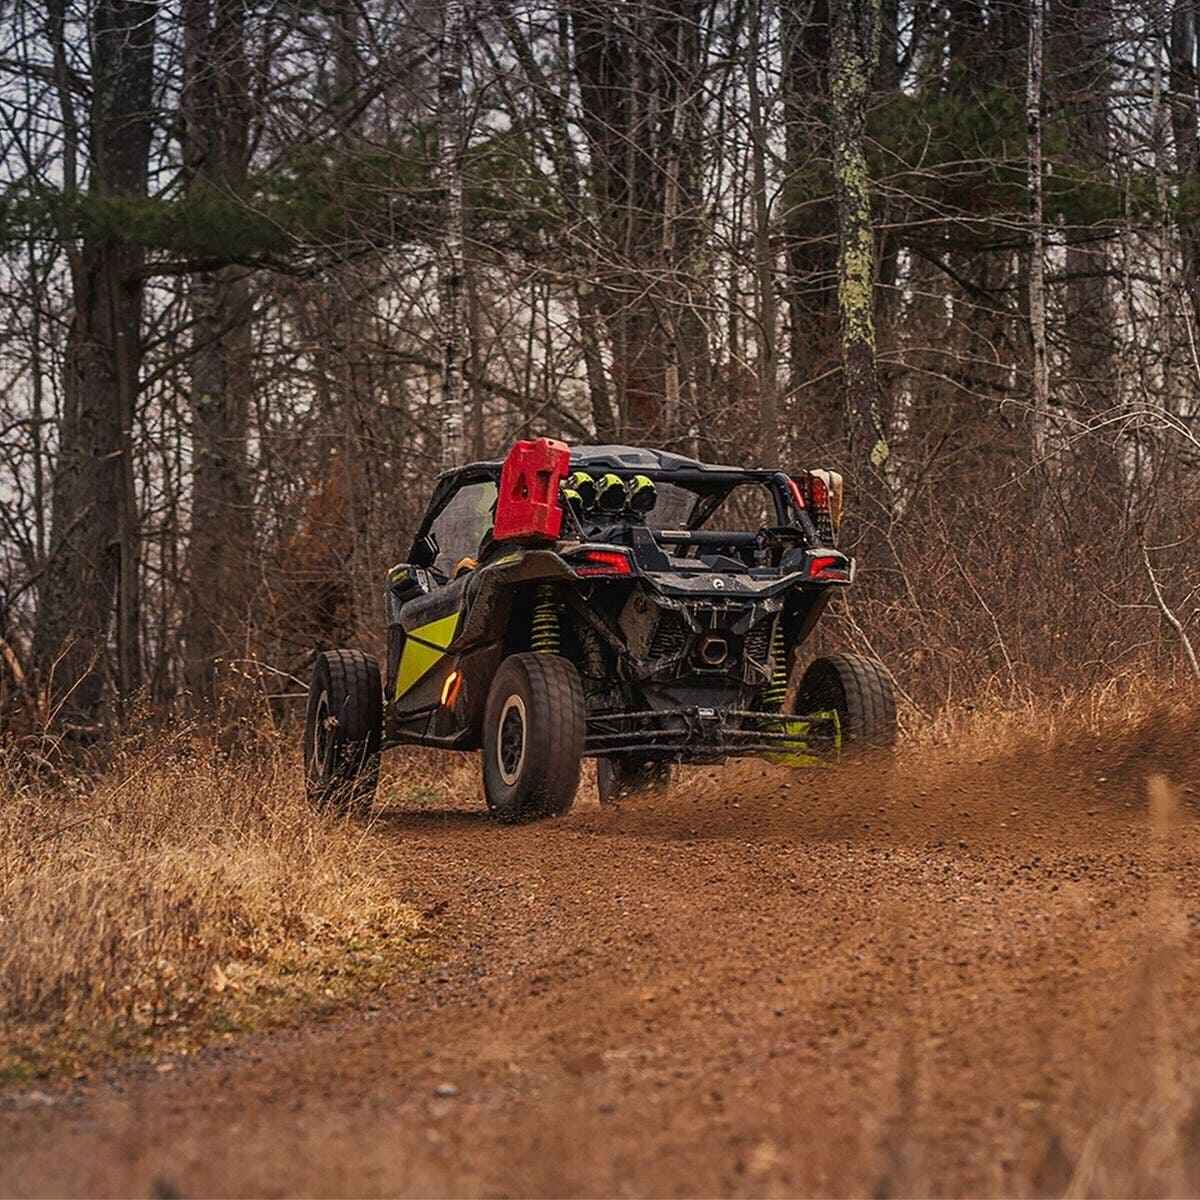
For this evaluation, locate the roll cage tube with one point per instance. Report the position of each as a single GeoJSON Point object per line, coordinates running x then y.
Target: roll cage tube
{"type": "Point", "coordinates": [710, 486]}
{"type": "Point", "coordinates": [445, 489]}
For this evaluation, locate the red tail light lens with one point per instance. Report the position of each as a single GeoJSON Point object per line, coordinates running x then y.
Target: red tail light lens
{"type": "Point", "coordinates": [828, 566]}
{"type": "Point", "coordinates": [603, 562]}
{"type": "Point", "coordinates": [818, 492]}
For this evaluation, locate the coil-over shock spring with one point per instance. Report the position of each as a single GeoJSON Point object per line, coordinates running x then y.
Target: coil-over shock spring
{"type": "Point", "coordinates": [774, 693]}
{"type": "Point", "coordinates": [544, 634]}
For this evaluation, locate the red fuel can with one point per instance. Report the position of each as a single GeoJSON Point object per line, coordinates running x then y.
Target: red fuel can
{"type": "Point", "coordinates": [528, 505]}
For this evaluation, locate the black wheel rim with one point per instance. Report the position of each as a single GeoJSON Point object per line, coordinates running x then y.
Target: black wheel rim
{"type": "Point", "coordinates": [510, 741]}
{"type": "Point", "coordinates": [322, 752]}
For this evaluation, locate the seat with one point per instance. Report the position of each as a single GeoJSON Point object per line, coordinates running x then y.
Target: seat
{"type": "Point", "coordinates": [435, 605]}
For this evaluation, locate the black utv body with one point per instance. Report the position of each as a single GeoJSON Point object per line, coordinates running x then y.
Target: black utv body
{"type": "Point", "coordinates": [649, 613]}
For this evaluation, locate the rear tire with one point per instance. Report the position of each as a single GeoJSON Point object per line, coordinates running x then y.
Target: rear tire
{"type": "Point", "coordinates": [859, 691]}
{"type": "Point", "coordinates": [343, 728]}
{"type": "Point", "coordinates": [617, 778]}
{"type": "Point", "coordinates": [533, 734]}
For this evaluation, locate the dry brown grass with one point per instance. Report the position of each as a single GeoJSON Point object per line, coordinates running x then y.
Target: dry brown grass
{"type": "Point", "coordinates": [179, 895]}
{"type": "Point", "coordinates": [1003, 722]}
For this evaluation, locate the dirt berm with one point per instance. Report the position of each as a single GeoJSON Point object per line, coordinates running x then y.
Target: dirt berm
{"type": "Point", "coordinates": [959, 977]}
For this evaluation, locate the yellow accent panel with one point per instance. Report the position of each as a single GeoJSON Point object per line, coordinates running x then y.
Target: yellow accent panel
{"type": "Point", "coordinates": [415, 663]}
{"type": "Point", "coordinates": [424, 648]}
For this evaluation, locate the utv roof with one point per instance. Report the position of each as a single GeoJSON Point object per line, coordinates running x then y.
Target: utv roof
{"type": "Point", "coordinates": [626, 458]}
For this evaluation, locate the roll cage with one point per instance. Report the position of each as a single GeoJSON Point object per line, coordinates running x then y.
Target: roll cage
{"type": "Point", "coordinates": [711, 486]}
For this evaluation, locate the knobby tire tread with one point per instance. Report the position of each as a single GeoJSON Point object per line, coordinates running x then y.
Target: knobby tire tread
{"type": "Point", "coordinates": [356, 700]}
{"type": "Point", "coordinates": [867, 699]}
{"type": "Point", "coordinates": [870, 705]}
{"type": "Point", "coordinates": [555, 683]}
{"type": "Point", "coordinates": [555, 726]}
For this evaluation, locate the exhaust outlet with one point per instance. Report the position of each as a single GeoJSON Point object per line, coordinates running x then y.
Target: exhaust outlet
{"type": "Point", "coordinates": [713, 651]}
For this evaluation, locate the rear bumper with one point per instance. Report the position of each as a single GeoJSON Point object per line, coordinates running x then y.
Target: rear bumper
{"type": "Point", "coordinates": [701, 735]}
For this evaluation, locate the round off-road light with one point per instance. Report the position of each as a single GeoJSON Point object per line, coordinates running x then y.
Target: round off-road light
{"type": "Point", "coordinates": [610, 493]}
{"type": "Point", "coordinates": [641, 494]}
{"type": "Point", "coordinates": [583, 485]}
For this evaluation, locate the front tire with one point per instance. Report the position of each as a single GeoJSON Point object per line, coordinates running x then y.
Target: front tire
{"type": "Point", "coordinates": [343, 729]}
{"type": "Point", "coordinates": [533, 734]}
{"type": "Point", "coordinates": [859, 691]}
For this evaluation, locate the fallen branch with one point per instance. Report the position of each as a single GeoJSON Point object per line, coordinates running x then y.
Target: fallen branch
{"type": "Point", "coordinates": [236, 664]}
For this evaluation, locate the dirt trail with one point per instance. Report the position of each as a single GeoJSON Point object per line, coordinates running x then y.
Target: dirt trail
{"type": "Point", "coordinates": [959, 978]}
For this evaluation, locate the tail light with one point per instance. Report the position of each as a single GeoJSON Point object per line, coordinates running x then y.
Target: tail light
{"type": "Point", "coordinates": [822, 492]}
{"type": "Point", "coordinates": [602, 562]}
{"type": "Point", "coordinates": [829, 566]}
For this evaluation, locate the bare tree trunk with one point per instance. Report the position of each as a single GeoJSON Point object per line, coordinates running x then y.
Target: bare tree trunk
{"type": "Point", "coordinates": [93, 565]}
{"type": "Point", "coordinates": [551, 108]}
{"type": "Point", "coordinates": [620, 74]}
{"type": "Point", "coordinates": [37, 368]}
{"type": "Point", "coordinates": [764, 258]}
{"type": "Point", "coordinates": [1185, 117]}
{"type": "Point", "coordinates": [670, 420]}
{"type": "Point", "coordinates": [1076, 63]}
{"type": "Point", "coordinates": [474, 370]}
{"type": "Point", "coordinates": [216, 120]}
{"type": "Point", "coordinates": [1037, 287]}
{"type": "Point", "coordinates": [809, 227]}
{"type": "Point", "coordinates": [128, 352]}
{"type": "Point", "coordinates": [591, 323]}
{"type": "Point", "coordinates": [855, 42]}
{"type": "Point", "coordinates": [1178, 41]}
{"type": "Point", "coordinates": [451, 293]}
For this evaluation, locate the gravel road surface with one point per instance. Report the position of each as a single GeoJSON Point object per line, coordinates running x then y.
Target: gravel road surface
{"type": "Point", "coordinates": [957, 977]}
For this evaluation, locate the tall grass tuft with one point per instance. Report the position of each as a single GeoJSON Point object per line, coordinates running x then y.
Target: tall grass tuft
{"type": "Point", "coordinates": [180, 892]}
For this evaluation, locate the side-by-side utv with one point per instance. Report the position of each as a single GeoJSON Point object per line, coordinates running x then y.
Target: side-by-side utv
{"type": "Point", "coordinates": [632, 605]}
